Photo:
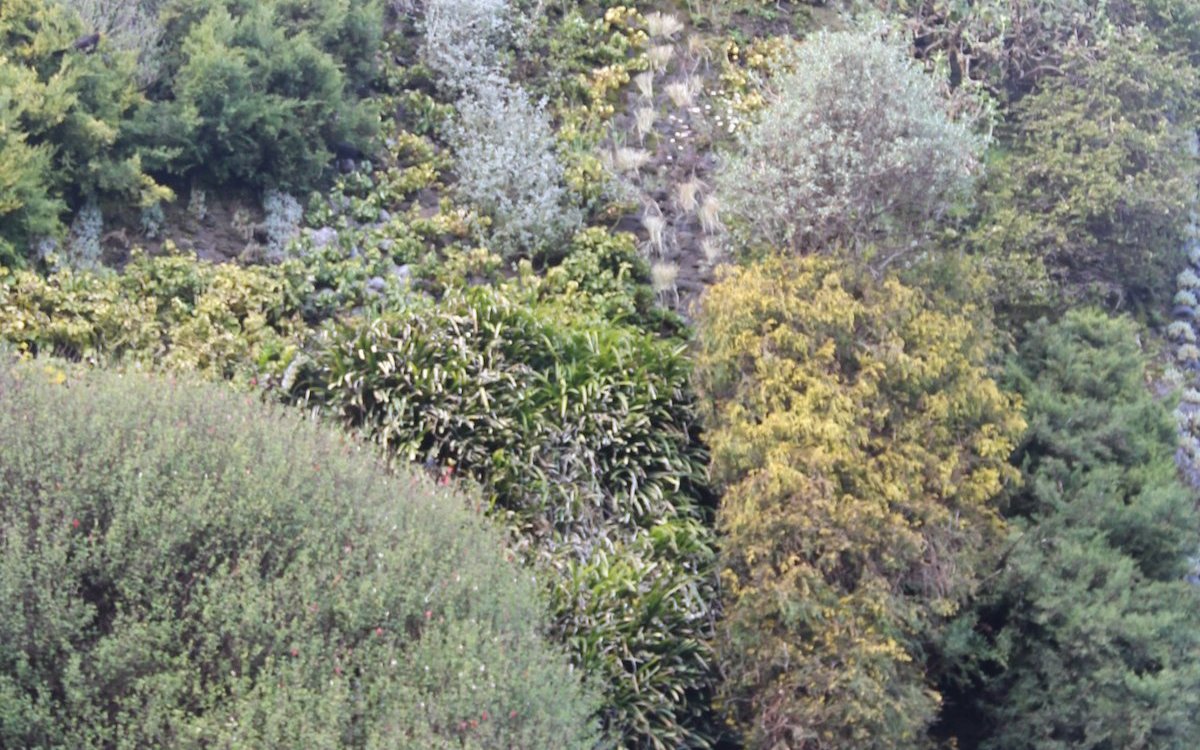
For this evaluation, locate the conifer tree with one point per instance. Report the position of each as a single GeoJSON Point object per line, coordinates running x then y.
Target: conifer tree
{"type": "Point", "coordinates": [1087, 638]}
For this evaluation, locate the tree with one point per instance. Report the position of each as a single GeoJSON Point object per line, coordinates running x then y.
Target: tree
{"type": "Point", "coordinates": [1095, 192]}
{"type": "Point", "coordinates": [855, 150]}
{"type": "Point", "coordinates": [859, 441]}
{"type": "Point", "coordinates": [1087, 638]}
{"type": "Point", "coordinates": [64, 126]}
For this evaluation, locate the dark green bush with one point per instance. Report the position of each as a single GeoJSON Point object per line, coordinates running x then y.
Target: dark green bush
{"type": "Point", "coordinates": [584, 436]}
{"type": "Point", "coordinates": [1095, 192]}
{"type": "Point", "coordinates": [262, 93]}
{"type": "Point", "coordinates": [182, 569]}
{"type": "Point", "coordinates": [1085, 636]}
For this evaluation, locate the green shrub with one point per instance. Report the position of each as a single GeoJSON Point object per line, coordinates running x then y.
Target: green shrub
{"type": "Point", "coordinates": [583, 435]}
{"type": "Point", "coordinates": [605, 273]}
{"type": "Point", "coordinates": [65, 117]}
{"type": "Point", "coordinates": [262, 93]}
{"type": "Point", "coordinates": [856, 151]}
{"type": "Point", "coordinates": [1086, 634]}
{"type": "Point", "coordinates": [1096, 189]}
{"type": "Point", "coordinates": [183, 569]}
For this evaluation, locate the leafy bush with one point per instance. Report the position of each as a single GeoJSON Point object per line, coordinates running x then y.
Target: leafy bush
{"type": "Point", "coordinates": [178, 312]}
{"type": "Point", "coordinates": [506, 164]}
{"type": "Point", "coordinates": [860, 443]}
{"type": "Point", "coordinates": [605, 273]}
{"type": "Point", "coordinates": [1087, 635]}
{"type": "Point", "coordinates": [182, 568]}
{"type": "Point", "coordinates": [1098, 185]}
{"type": "Point", "coordinates": [583, 435]}
{"type": "Point", "coordinates": [855, 150]}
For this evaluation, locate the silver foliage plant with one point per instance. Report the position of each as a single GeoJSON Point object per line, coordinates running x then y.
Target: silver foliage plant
{"type": "Point", "coordinates": [507, 166]}
{"type": "Point", "coordinates": [505, 147]}
{"type": "Point", "coordinates": [83, 246]}
{"type": "Point", "coordinates": [282, 215]}
{"type": "Point", "coordinates": [128, 25]}
{"type": "Point", "coordinates": [855, 151]}
{"type": "Point", "coordinates": [463, 39]}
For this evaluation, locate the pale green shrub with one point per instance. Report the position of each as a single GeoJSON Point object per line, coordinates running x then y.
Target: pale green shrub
{"type": "Point", "coordinates": [855, 150]}
{"type": "Point", "coordinates": [83, 246]}
{"type": "Point", "coordinates": [463, 39]}
{"type": "Point", "coordinates": [183, 567]}
{"type": "Point", "coordinates": [127, 25]}
{"type": "Point", "coordinates": [507, 165]}
{"type": "Point", "coordinates": [281, 220]}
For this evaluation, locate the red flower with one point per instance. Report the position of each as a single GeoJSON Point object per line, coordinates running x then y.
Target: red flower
{"type": "Point", "coordinates": [379, 631]}
{"type": "Point", "coordinates": [512, 714]}
{"type": "Point", "coordinates": [295, 652]}
{"type": "Point", "coordinates": [75, 523]}
{"type": "Point", "coordinates": [428, 613]}
{"type": "Point", "coordinates": [485, 716]}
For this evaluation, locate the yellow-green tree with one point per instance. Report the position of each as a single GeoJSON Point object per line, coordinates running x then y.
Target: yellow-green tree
{"type": "Point", "coordinates": [860, 441]}
{"type": "Point", "coordinates": [64, 117]}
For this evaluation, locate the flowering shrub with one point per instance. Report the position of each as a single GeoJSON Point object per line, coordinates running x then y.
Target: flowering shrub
{"type": "Point", "coordinates": [178, 563]}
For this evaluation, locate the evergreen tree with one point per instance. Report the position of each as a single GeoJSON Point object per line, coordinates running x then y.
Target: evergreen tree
{"type": "Point", "coordinates": [1088, 637]}
{"type": "Point", "coordinates": [64, 125]}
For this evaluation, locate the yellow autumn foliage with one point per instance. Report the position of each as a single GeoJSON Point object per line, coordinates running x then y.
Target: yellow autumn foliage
{"type": "Point", "coordinates": [860, 442]}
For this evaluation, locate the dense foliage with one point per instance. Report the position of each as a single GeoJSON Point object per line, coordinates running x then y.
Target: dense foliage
{"type": "Point", "coordinates": [860, 443]}
{"type": "Point", "coordinates": [179, 568]}
{"type": "Point", "coordinates": [223, 321]}
{"type": "Point", "coordinates": [854, 150]}
{"type": "Point", "coordinates": [478, 233]}
{"type": "Point", "coordinates": [259, 93]}
{"type": "Point", "coordinates": [1085, 638]}
{"type": "Point", "coordinates": [262, 93]}
{"type": "Point", "coordinates": [1096, 188]}
{"type": "Point", "coordinates": [584, 436]}
{"type": "Point", "coordinates": [65, 127]}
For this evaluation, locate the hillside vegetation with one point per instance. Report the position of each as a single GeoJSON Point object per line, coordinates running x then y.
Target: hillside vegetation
{"type": "Point", "coordinates": [596, 373]}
